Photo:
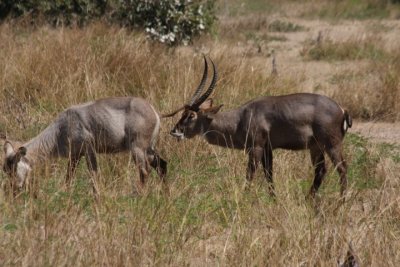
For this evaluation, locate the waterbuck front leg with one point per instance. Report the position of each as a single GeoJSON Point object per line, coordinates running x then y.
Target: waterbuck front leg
{"type": "Point", "coordinates": [255, 156]}
{"type": "Point", "coordinates": [318, 161]}
{"type": "Point", "coordinates": [158, 164]}
{"type": "Point", "coordinates": [267, 159]}
{"type": "Point", "coordinates": [91, 161]}
{"type": "Point", "coordinates": [72, 164]}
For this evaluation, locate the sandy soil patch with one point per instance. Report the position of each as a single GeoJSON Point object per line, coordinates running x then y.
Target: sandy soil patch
{"type": "Point", "coordinates": [378, 131]}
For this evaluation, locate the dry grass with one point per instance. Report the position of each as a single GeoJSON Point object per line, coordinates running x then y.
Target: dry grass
{"type": "Point", "coordinates": [361, 9]}
{"type": "Point", "coordinates": [207, 218]}
{"type": "Point", "coordinates": [371, 92]}
{"type": "Point", "coordinates": [353, 49]}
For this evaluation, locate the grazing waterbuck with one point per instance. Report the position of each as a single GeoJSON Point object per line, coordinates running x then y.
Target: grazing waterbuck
{"type": "Point", "coordinates": [108, 125]}
{"type": "Point", "coordinates": [294, 122]}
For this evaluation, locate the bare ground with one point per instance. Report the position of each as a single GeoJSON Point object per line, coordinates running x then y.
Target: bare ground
{"type": "Point", "coordinates": [378, 131]}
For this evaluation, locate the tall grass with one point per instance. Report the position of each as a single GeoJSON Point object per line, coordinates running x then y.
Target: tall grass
{"type": "Point", "coordinates": [321, 9]}
{"type": "Point", "coordinates": [372, 91]}
{"type": "Point", "coordinates": [353, 49]}
{"type": "Point", "coordinates": [358, 9]}
{"type": "Point", "coordinates": [207, 218]}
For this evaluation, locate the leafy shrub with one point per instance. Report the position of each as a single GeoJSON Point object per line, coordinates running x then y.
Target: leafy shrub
{"type": "Point", "coordinates": [170, 22]}
{"type": "Point", "coordinates": [54, 12]}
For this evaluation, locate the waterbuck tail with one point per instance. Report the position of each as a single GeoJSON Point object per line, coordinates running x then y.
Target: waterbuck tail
{"type": "Point", "coordinates": [347, 121]}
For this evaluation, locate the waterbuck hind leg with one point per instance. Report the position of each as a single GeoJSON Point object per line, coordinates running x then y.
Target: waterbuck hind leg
{"type": "Point", "coordinates": [318, 161]}
{"type": "Point", "coordinates": [142, 164]}
{"type": "Point", "coordinates": [267, 159]}
{"type": "Point", "coordinates": [335, 154]}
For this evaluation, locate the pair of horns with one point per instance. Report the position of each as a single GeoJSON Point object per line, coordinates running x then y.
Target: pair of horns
{"type": "Point", "coordinates": [196, 100]}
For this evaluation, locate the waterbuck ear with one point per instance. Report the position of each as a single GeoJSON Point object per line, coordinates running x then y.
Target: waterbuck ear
{"type": "Point", "coordinates": [206, 104]}
{"type": "Point", "coordinates": [8, 149]}
{"type": "Point", "coordinates": [20, 153]}
{"type": "Point", "coordinates": [210, 112]}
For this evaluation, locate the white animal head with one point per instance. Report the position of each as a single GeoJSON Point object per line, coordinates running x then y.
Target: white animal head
{"type": "Point", "coordinates": [16, 165]}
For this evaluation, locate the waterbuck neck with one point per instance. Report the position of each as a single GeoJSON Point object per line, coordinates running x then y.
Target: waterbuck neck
{"type": "Point", "coordinates": [222, 129]}
{"type": "Point", "coordinates": [44, 145]}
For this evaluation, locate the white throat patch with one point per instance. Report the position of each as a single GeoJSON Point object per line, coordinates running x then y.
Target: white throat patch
{"type": "Point", "coordinates": [180, 136]}
{"type": "Point", "coordinates": [23, 170]}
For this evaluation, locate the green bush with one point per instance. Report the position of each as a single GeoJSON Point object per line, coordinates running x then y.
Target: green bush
{"type": "Point", "coordinates": [170, 22]}
{"type": "Point", "coordinates": [54, 12]}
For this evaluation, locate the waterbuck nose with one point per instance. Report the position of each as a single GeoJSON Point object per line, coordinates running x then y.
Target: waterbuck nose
{"type": "Point", "coordinates": [176, 132]}
{"type": "Point", "coordinates": [173, 132]}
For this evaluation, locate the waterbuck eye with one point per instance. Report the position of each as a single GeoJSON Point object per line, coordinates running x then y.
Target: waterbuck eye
{"type": "Point", "coordinates": [191, 116]}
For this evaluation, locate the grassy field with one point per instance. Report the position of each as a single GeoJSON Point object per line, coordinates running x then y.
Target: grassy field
{"type": "Point", "coordinates": [206, 218]}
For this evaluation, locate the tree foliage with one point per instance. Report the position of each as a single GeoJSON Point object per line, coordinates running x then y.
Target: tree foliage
{"type": "Point", "coordinates": [168, 21]}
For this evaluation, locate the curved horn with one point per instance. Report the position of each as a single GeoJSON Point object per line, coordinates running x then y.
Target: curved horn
{"type": "Point", "coordinates": [201, 85]}
{"type": "Point", "coordinates": [173, 113]}
{"type": "Point", "coordinates": [196, 93]}
{"type": "Point", "coordinates": [210, 89]}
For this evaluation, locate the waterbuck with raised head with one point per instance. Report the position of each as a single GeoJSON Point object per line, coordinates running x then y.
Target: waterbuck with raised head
{"type": "Point", "coordinates": [108, 125]}
{"type": "Point", "coordinates": [295, 122]}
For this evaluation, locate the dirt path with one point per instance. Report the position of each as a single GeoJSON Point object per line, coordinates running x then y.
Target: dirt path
{"type": "Point", "coordinates": [378, 131]}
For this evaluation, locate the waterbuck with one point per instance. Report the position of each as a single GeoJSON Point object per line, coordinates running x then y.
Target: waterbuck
{"type": "Point", "coordinates": [108, 125]}
{"type": "Point", "coordinates": [295, 122]}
